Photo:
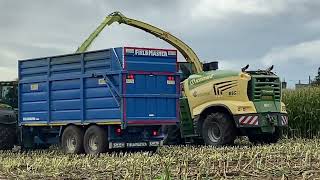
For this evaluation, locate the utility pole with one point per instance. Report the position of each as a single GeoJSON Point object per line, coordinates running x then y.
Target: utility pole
{"type": "Point", "coordinates": [309, 79]}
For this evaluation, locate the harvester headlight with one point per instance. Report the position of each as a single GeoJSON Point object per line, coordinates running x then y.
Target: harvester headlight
{"type": "Point", "coordinates": [283, 108]}
{"type": "Point", "coordinates": [243, 108]}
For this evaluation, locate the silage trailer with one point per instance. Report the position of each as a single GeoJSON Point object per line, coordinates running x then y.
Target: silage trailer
{"type": "Point", "coordinates": [98, 100]}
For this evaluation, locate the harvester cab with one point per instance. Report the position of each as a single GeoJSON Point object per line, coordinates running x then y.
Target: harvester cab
{"type": "Point", "coordinates": [9, 93]}
{"type": "Point", "coordinates": [186, 69]}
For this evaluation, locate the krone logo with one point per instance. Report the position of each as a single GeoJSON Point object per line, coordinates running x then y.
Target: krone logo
{"type": "Point", "coordinates": [201, 79]}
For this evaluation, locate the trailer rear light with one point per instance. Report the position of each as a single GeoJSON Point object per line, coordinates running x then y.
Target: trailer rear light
{"type": "Point", "coordinates": [155, 133]}
{"type": "Point", "coordinates": [130, 78]}
{"type": "Point", "coordinates": [118, 131]}
{"type": "Point", "coordinates": [171, 80]}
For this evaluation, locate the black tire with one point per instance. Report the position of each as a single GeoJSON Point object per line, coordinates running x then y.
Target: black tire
{"type": "Point", "coordinates": [95, 140]}
{"type": "Point", "coordinates": [218, 129]}
{"type": "Point", "coordinates": [172, 135]}
{"type": "Point", "coordinates": [268, 138]}
{"type": "Point", "coordinates": [8, 136]}
{"type": "Point", "coordinates": [72, 140]}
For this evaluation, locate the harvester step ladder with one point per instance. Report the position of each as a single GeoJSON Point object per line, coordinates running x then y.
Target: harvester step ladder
{"type": "Point", "coordinates": [186, 122]}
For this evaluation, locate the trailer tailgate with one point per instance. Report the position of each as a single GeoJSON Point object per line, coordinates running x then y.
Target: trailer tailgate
{"type": "Point", "coordinates": [151, 86]}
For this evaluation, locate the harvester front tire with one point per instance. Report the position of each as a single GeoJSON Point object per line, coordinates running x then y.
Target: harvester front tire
{"type": "Point", "coordinates": [72, 140]}
{"type": "Point", "coordinates": [218, 129]}
{"type": "Point", "coordinates": [95, 140]}
{"type": "Point", "coordinates": [7, 136]}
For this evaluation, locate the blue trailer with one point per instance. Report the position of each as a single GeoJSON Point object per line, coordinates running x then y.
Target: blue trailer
{"type": "Point", "coordinates": [98, 100]}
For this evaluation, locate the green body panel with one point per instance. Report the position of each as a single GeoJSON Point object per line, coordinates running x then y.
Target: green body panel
{"type": "Point", "coordinates": [196, 80]}
{"type": "Point", "coordinates": [186, 122]}
{"type": "Point", "coordinates": [5, 107]}
{"type": "Point", "coordinates": [268, 122]}
{"type": "Point", "coordinates": [265, 92]}
{"type": "Point", "coordinates": [267, 106]}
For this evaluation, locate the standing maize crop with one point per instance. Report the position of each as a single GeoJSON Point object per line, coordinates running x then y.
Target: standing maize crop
{"type": "Point", "coordinates": [303, 106]}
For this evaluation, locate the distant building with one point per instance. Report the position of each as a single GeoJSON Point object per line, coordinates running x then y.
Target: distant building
{"type": "Point", "coordinates": [301, 85]}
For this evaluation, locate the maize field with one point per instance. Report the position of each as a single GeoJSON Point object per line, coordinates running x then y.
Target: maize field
{"type": "Point", "coordinates": [289, 159]}
{"type": "Point", "coordinates": [303, 106]}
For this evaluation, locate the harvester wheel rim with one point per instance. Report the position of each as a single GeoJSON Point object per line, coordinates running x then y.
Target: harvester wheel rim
{"type": "Point", "coordinates": [214, 132]}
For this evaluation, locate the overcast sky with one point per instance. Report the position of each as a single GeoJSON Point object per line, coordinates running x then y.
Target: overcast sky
{"type": "Point", "coordinates": [285, 33]}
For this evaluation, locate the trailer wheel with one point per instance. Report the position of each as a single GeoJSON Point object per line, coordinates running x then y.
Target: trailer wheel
{"type": "Point", "coordinates": [7, 136]}
{"type": "Point", "coordinates": [95, 140]}
{"type": "Point", "coordinates": [72, 140]}
{"type": "Point", "coordinates": [218, 129]}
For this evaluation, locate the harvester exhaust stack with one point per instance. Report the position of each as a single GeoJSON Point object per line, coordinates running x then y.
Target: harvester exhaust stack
{"type": "Point", "coordinates": [245, 68]}
{"type": "Point", "coordinates": [269, 69]}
